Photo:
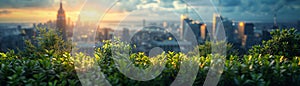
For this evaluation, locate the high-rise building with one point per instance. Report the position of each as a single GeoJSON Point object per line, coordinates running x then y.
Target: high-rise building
{"type": "Point", "coordinates": [275, 20]}
{"type": "Point", "coordinates": [217, 20]}
{"type": "Point", "coordinates": [191, 26]}
{"type": "Point", "coordinates": [104, 34]}
{"type": "Point", "coordinates": [182, 25]}
{"type": "Point", "coordinates": [246, 29]}
{"type": "Point", "coordinates": [241, 30]}
{"type": "Point", "coordinates": [125, 35]}
{"type": "Point", "coordinates": [249, 29]}
{"type": "Point", "coordinates": [229, 30]}
{"type": "Point", "coordinates": [61, 21]}
{"type": "Point", "coordinates": [151, 37]}
{"type": "Point", "coordinates": [203, 31]}
{"type": "Point", "coordinates": [246, 34]}
{"type": "Point", "coordinates": [275, 26]}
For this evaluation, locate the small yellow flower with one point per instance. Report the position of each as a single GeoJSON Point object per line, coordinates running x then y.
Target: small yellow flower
{"type": "Point", "coordinates": [260, 63]}
{"type": "Point", "coordinates": [202, 65]}
{"type": "Point", "coordinates": [251, 67]}
{"type": "Point", "coordinates": [281, 59]}
{"type": "Point", "coordinates": [250, 57]}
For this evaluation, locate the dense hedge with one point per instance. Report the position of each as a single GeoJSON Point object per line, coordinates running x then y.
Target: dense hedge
{"type": "Point", "coordinates": [52, 69]}
{"type": "Point", "coordinates": [15, 70]}
{"type": "Point", "coordinates": [49, 63]}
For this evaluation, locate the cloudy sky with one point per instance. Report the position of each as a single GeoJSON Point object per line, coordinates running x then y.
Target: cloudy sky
{"type": "Point", "coordinates": [238, 10]}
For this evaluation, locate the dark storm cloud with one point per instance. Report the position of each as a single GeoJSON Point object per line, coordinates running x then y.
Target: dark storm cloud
{"type": "Point", "coordinates": [263, 9]}
{"type": "Point", "coordinates": [25, 3]}
{"type": "Point", "coordinates": [3, 12]}
{"type": "Point", "coordinates": [268, 2]}
{"type": "Point", "coordinates": [260, 6]}
{"type": "Point", "coordinates": [230, 2]}
{"type": "Point", "coordinates": [290, 0]}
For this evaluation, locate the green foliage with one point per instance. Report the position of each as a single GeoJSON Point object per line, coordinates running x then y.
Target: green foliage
{"type": "Point", "coordinates": [284, 42]}
{"type": "Point", "coordinates": [42, 71]}
{"type": "Point", "coordinates": [47, 63]}
{"type": "Point", "coordinates": [54, 67]}
{"type": "Point", "coordinates": [47, 39]}
{"type": "Point", "coordinates": [206, 48]}
{"type": "Point", "coordinates": [254, 69]}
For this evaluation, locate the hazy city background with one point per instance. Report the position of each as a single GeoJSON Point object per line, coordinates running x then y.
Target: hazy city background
{"type": "Point", "coordinates": [246, 23]}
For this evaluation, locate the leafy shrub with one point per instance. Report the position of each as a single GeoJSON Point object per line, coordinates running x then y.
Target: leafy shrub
{"type": "Point", "coordinates": [284, 42]}
{"type": "Point", "coordinates": [254, 69]}
{"type": "Point", "coordinates": [15, 70]}
{"type": "Point", "coordinates": [53, 67]}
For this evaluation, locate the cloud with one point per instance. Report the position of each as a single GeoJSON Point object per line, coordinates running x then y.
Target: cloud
{"type": "Point", "coordinates": [261, 6]}
{"type": "Point", "coordinates": [41, 4]}
{"type": "Point", "coordinates": [25, 3]}
{"type": "Point", "coordinates": [232, 8]}
{"type": "Point", "coordinates": [263, 9]}
{"type": "Point", "coordinates": [127, 5]}
{"type": "Point", "coordinates": [3, 12]}
{"type": "Point", "coordinates": [230, 2]}
{"type": "Point", "coordinates": [166, 3]}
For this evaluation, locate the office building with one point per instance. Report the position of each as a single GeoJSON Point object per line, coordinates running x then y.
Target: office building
{"type": "Point", "coordinates": [61, 21]}
{"type": "Point", "coordinates": [104, 34]}
{"type": "Point", "coordinates": [125, 35]}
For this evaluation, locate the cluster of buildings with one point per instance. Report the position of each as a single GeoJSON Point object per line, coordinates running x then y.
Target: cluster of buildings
{"type": "Point", "coordinates": [170, 36]}
{"type": "Point", "coordinates": [14, 38]}
{"type": "Point", "coordinates": [243, 35]}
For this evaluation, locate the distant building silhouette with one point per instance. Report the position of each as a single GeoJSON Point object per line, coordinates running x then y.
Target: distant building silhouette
{"type": "Point", "coordinates": [246, 35]}
{"type": "Point", "coordinates": [104, 34]}
{"type": "Point", "coordinates": [241, 30]}
{"type": "Point", "coordinates": [203, 31]}
{"type": "Point", "coordinates": [266, 35]}
{"type": "Point", "coordinates": [61, 21]}
{"type": "Point", "coordinates": [125, 35]}
{"type": "Point", "coordinates": [14, 38]}
{"type": "Point", "coordinates": [217, 20]}
{"type": "Point", "coordinates": [183, 25]}
{"type": "Point", "coordinates": [249, 29]}
{"type": "Point", "coordinates": [229, 30]}
{"type": "Point", "coordinates": [153, 36]}
{"type": "Point", "coordinates": [199, 30]}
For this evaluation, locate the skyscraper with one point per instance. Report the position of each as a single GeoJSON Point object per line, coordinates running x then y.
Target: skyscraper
{"type": "Point", "coordinates": [190, 26]}
{"type": "Point", "coordinates": [249, 29]}
{"type": "Point", "coordinates": [241, 30]}
{"type": "Point", "coordinates": [104, 34]}
{"type": "Point", "coordinates": [61, 21]}
{"type": "Point", "coordinates": [183, 25]}
{"type": "Point", "coordinates": [125, 35]}
{"type": "Point", "coordinates": [246, 34]}
{"type": "Point", "coordinates": [217, 20]}
{"type": "Point", "coordinates": [203, 32]}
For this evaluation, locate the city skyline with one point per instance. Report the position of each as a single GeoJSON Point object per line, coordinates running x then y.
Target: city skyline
{"type": "Point", "coordinates": [246, 10]}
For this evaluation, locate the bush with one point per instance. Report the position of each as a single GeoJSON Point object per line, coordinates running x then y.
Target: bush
{"type": "Point", "coordinates": [284, 42]}
{"type": "Point", "coordinates": [53, 67]}
{"type": "Point", "coordinates": [16, 70]}
{"type": "Point", "coordinates": [250, 70]}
